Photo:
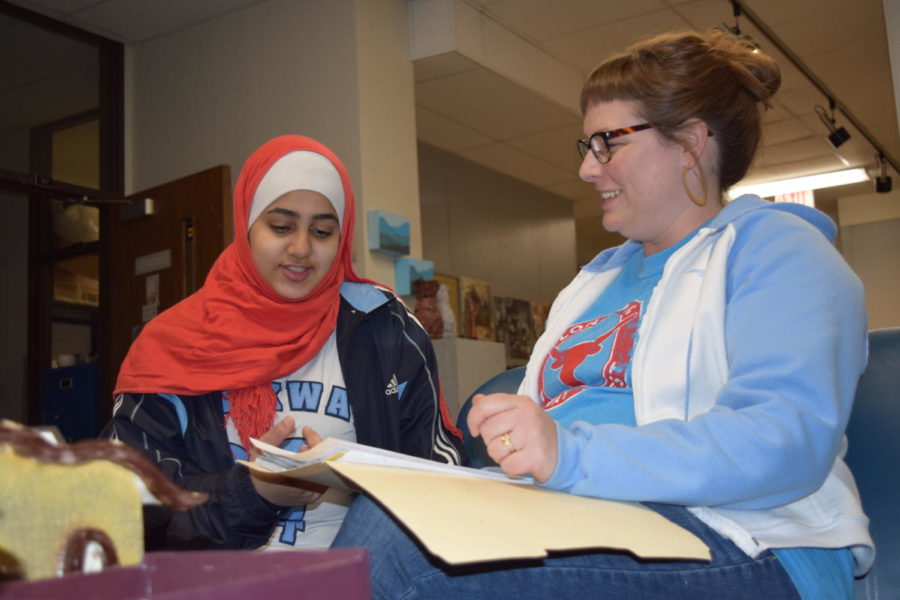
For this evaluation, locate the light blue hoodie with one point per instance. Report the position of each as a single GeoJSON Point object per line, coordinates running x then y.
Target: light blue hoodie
{"type": "Point", "coordinates": [743, 374]}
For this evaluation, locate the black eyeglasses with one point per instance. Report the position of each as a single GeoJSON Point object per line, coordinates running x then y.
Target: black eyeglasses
{"type": "Point", "coordinates": [598, 143]}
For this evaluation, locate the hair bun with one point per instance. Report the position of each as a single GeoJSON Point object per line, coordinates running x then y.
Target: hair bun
{"type": "Point", "coordinates": [758, 73]}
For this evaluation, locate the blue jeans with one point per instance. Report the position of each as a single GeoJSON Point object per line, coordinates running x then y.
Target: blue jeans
{"type": "Point", "coordinates": [400, 568]}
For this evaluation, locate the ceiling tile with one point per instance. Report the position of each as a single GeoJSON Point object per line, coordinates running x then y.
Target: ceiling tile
{"type": "Point", "coordinates": [445, 133]}
{"type": "Point", "coordinates": [540, 20]}
{"type": "Point", "coordinates": [705, 14]}
{"type": "Point", "coordinates": [812, 26]}
{"type": "Point", "coordinates": [801, 101]}
{"type": "Point", "coordinates": [556, 147]}
{"type": "Point", "coordinates": [811, 146]}
{"type": "Point", "coordinates": [786, 130]}
{"type": "Point", "coordinates": [441, 65]}
{"type": "Point", "coordinates": [515, 163]}
{"type": "Point", "coordinates": [490, 104]}
{"type": "Point", "coordinates": [856, 82]}
{"type": "Point", "coordinates": [592, 45]}
{"type": "Point", "coordinates": [778, 12]}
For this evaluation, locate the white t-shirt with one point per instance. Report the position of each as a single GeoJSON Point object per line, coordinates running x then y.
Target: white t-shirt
{"type": "Point", "coordinates": [314, 395]}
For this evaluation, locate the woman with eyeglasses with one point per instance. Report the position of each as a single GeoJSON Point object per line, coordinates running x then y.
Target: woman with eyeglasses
{"type": "Point", "coordinates": [705, 367]}
{"type": "Point", "coordinates": [284, 343]}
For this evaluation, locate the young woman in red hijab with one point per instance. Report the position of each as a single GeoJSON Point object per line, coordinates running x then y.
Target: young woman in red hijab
{"type": "Point", "coordinates": [284, 342]}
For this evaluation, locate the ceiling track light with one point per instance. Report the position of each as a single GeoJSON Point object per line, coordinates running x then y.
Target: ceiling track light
{"type": "Point", "coordinates": [735, 30]}
{"type": "Point", "coordinates": [736, 12]}
{"type": "Point", "coordinates": [836, 135]}
{"type": "Point", "coordinates": [740, 9]}
{"type": "Point", "coordinates": [882, 180]}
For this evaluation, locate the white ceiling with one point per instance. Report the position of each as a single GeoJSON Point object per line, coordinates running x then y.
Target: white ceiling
{"type": "Point", "coordinates": [469, 110]}
{"type": "Point", "coordinates": [465, 109]}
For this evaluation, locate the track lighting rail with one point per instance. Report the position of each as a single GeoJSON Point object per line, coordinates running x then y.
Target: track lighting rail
{"type": "Point", "coordinates": [740, 8]}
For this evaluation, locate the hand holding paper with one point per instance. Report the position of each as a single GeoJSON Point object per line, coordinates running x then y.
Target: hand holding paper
{"type": "Point", "coordinates": [278, 489]}
{"type": "Point", "coordinates": [517, 432]}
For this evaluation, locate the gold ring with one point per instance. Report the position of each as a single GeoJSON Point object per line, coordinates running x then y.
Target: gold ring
{"type": "Point", "coordinates": [504, 439]}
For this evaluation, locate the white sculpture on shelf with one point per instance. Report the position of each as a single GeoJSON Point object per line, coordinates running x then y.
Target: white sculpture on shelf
{"type": "Point", "coordinates": [443, 300]}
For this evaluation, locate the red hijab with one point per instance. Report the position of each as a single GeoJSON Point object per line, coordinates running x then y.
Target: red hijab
{"type": "Point", "coordinates": [236, 333]}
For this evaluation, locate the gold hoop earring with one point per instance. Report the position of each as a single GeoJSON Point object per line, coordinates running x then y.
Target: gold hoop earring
{"type": "Point", "coordinates": [687, 188]}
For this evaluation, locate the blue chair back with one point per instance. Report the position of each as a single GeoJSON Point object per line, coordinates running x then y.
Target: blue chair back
{"type": "Point", "coordinates": [873, 455]}
{"type": "Point", "coordinates": [506, 382]}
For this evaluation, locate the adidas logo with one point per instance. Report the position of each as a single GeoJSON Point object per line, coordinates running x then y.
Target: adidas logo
{"type": "Point", "coordinates": [392, 386]}
{"type": "Point", "coordinates": [395, 387]}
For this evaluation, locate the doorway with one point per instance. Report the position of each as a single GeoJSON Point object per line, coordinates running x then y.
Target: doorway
{"type": "Point", "coordinates": [61, 161]}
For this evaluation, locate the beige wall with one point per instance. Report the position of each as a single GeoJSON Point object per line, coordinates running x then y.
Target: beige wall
{"type": "Point", "coordinates": [481, 224]}
{"type": "Point", "coordinates": [336, 70]}
{"type": "Point", "coordinates": [211, 94]}
{"type": "Point", "coordinates": [386, 129]}
{"type": "Point", "coordinates": [870, 241]}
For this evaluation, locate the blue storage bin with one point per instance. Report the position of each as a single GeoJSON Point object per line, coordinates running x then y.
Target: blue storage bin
{"type": "Point", "coordinates": [69, 400]}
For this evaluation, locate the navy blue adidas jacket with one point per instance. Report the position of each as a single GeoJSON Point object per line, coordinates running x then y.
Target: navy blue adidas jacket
{"type": "Point", "coordinates": [391, 377]}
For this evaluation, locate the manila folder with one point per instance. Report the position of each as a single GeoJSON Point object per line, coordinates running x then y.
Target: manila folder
{"type": "Point", "coordinates": [466, 519]}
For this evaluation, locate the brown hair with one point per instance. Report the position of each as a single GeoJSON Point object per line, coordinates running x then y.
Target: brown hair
{"type": "Point", "coordinates": [674, 77]}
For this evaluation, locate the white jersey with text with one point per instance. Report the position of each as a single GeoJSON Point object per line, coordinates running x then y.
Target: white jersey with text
{"type": "Point", "coordinates": [314, 395]}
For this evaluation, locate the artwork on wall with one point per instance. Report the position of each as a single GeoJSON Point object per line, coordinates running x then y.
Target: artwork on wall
{"type": "Point", "coordinates": [475, 306]}
{"type": "Point", "coordinates": [388, 233]}
{"type": "Point", "coordinates": [514, 326]}
{"type": "Point", "coordinates": [409, 270]}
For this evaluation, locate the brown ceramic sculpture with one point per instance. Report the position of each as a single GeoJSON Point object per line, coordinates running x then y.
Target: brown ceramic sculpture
{"type": "Point", "coordinates": [427, 310]}
{"type": "Point", "coordinates": [74, 508]}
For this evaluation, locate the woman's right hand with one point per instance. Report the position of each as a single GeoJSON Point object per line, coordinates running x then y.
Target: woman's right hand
{"type": "Point", "coordinates": [517, 432]}
{"type": "Point", "coordinates": [276, 488]}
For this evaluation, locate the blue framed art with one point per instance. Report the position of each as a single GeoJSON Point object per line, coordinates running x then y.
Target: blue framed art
{"type": "Point", "coordinates": [388, 233]}
{"type": "Point", "coordinates": [409, 270]}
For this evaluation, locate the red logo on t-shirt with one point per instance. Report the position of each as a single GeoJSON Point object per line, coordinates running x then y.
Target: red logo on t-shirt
{"type": "Point", "coordinates": [565, 359]}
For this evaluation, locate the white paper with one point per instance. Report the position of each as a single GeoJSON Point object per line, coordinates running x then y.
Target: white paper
{"type": "Point", "coordinates": [277, 460]}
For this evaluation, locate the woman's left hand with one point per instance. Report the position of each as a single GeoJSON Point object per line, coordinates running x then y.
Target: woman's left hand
{"type": "Point", "coordinates": [518, 434]}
